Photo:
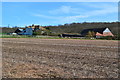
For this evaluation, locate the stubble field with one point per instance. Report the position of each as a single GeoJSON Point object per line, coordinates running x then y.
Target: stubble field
{"type": "Point", "coordinates": [65, 58]}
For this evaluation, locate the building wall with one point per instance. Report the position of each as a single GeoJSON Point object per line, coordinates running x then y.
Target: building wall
{"type": "Point", "coordinates": [107, 34]}
{"type": "Point", "coordinates": [28, 31]}
{"type": "Point", "coordinates": [98, 35]}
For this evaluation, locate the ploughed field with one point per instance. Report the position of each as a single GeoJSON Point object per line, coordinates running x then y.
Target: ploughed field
{"type": "Point", "coordinates": [65, 58]}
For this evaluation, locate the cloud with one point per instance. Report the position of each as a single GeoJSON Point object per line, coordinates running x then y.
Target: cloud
{"type": "Point", "coordinates": [70, 19]}
{"type": "Point", "coordinates": [76, 14]}
{"type": "Point", "coordinates": [58, 17]}
{"type": "Point", "coordinates": [44, 16]}
{"type": "Point", "coordinates": [105, 8]}
{"type": "Point", "coordinates": [62, 19]}
{"type": "Point", "coordinates": [101, 10]}
{"type": "Point", "coordinates": [62, 9]}
{"type": "Point", "coordinates": [67, 10]}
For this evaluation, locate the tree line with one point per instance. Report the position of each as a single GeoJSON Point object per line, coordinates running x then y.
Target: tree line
{"type": "Point", "coordinates": [78, 27]}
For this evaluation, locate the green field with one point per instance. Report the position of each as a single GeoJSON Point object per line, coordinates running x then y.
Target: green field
{"type": "Point", "coordinates": [42, 37]}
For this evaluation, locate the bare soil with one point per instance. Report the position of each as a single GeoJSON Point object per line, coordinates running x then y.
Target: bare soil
{"type": "Point", "coordinates": [65, 58]}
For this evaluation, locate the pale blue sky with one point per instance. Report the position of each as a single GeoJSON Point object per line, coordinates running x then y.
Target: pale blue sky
{"type": "Point", "coordinates": [55, 13]}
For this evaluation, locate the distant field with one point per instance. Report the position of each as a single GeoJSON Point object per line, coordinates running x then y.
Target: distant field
{"type": "Point", "coordinates": [26, 36]}
{"type": "Point", "coordinates": [65, 58]}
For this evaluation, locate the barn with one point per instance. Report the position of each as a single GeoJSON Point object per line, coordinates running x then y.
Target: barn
{"type": "Point", "coordinates": [71, 35]}
{"type": "Point", "coordinates": [99, 32]}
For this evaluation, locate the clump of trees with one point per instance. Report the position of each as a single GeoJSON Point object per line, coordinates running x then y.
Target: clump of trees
{"type": "Point", "coordinates": [41, 32]}
{"type": "Point", "coordinates": [90, 34]}
{"type": "Point", "coordinates": [46, 32]}
{"type": "Point", "coordinates": [7, 30]}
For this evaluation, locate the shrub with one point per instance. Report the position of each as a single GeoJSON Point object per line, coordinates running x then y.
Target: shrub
{"type": "Point", "coordinates": [108, 37]}
{"type": "Point", "coordinates": [38, 32]}
{"type": "Point", "coordinates": [90, 34]}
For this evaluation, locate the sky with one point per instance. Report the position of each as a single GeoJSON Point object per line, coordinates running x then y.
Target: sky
{"type": "Point", "coordinates": [60, 0]}
{"type": "Point", "coordinates": [57, 13]}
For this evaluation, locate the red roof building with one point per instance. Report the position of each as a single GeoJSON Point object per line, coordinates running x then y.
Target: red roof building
{"type": "Point", "coordinates": [99, 32]}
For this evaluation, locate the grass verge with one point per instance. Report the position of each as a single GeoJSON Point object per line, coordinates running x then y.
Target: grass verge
{"type": "Point", "coordinates": [44, 37]}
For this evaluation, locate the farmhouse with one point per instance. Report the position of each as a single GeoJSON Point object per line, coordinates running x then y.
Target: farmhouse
{"type": "Point", "coordinates": [29, 30]}
{"type": "Point", "coordinates": [26, 31]}
{"type": "Point", "coordinates": [98, 32]}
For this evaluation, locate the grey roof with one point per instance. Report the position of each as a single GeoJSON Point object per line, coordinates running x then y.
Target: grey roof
{"type": "Point", "coordinates": [21, 29]}
{"type": "Point", "coordinates": [100, 30]}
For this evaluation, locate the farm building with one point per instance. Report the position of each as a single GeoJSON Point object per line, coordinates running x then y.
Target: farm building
{"type": "Point", "coordinates": [98, 32]}
{"type": "Point", "coordinates": [26, 31]}
{"type": "Point", "coordinates": [29, 30]}
{"type": "Point", "coordinates": [70, 35]}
